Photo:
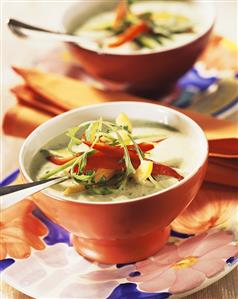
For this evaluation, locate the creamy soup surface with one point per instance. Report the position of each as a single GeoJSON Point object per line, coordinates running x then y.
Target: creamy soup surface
{"type": "Point", "coordinates": [98, 27]}
{"type": "Point", "coordinates": [177, 150]}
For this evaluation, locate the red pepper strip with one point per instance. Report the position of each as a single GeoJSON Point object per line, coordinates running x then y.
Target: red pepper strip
{"type": "Point", "coordinates": [109, 150]}
{"type": "Point", "coordinates": [121, 12]}
{"type": "Point", "coordinates": [101, 160]}
{"type": "Point", "coordinates": [130, 34]}
{"type": "Point", "coordinates": [95, 161]}
{"type": "Point", "coordinates": [59, 160]}
{"type": "Point", "coordinates": [160, 169]}
{"type": "Point", "coordinates": [117, 151]}
{"type": "Point", "coordinates": [145, 147]}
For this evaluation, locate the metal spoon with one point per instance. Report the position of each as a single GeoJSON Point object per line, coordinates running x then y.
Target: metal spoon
{"type": "Point", "coordinates": [13, 194]}
{"type": "Point", "coordinates": [24, 30]}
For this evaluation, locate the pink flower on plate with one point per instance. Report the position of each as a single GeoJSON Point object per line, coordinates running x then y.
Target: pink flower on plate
{"type": "Point", "coordinates": [185, 266]}
{"type": "Point", "coordinates": [20, 231]}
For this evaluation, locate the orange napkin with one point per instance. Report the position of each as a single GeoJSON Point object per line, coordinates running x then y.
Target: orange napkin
{"type": "Point", "coordinates": [45, 94]}
{"type": "Point", "coordinates": [220, 149]}
{"type": "Point", "coordinates": [67, 93]}
{"type": "Point", "coordinates": [26, 96]}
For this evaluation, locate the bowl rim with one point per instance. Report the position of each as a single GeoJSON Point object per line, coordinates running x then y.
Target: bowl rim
{"type": "Point", "coordinates": [57, 118]}
{"type": "Point", "coordinates": [151, 52]}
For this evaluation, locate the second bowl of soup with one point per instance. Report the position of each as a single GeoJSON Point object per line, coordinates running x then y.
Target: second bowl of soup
{"type": "Point", "coordinates": [130, 169]}
{"type": "Point", "coordinates": [144, 46]}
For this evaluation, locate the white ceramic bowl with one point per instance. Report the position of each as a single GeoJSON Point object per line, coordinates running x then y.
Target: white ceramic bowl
{"type": "Point", "coordinates": [109, 232]}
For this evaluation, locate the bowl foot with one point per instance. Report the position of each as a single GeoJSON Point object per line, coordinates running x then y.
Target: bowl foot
{"type": "Point", "coordinates": [123, 250]}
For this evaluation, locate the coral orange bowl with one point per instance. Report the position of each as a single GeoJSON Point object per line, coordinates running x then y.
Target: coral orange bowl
{"type": "Point", "coordinates": [137, 72]}
{"type": "Point", "coordinates": [118, 232]}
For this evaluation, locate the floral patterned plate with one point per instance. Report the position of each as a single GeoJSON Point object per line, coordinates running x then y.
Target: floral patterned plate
{"type": "Point", "coordinates": [37, 257]}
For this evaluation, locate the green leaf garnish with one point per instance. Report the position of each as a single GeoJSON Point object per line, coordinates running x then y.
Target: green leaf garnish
{"type": "Point", "coordinates": [119, 134]}
{"type": "Point", "coordinates": [57, 169]}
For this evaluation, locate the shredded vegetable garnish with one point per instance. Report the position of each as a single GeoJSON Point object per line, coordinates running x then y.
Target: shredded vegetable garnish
{"type": "Point", "coordinates": [111, 156]}
{"type": "Point", "coordinates": [148, 29]}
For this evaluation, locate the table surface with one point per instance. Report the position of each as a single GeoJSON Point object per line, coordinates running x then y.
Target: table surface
{"type": "Point", "coordinates": [34, 12]}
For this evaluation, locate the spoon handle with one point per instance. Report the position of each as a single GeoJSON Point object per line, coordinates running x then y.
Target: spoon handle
{"type": "Point", "coordinates": [18, 27]}
{"type": "Point", "coordinates": [24, 30]}
{"type": "Point", "coordinates": [13, 194]}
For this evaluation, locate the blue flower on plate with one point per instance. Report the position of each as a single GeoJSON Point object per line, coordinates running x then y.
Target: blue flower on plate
{"type": "Point", "coordinates": [193, 79]}
{"type": "Point", "coordinates": [190, 84]}
{"type": "Point", "coordinates": [56, 234]}
{"type": "Point", "coordinates": [176, 234]}
{"type": "Point", "coordinates": [130, 291]}
{"type": "Point", "coordinates": [232, 260]}
{"type": "Point", "coordinates": [10, 178]}
{"type": "Point", "coordinates": [6, 263]}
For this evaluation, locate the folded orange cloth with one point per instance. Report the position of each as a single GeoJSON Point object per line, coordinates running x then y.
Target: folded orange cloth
{"type": "Point", "coordinates": [222, 174]}
{"type": "Point", "coordinates": [28, 97]}
{"type": "Point", "coordinates": [219, 148]}
{"type": "Point", "coordinates": [230, 163]}
{"type": "Point", "coordinates": [21, 120]}
{"type": "Point", "coordinates": [227, 167]}
{"type": "Point", "coordinates": [53, 93]}
{"type": "Point", "coordinates": [64, 93]}
{"type": "Point", "coordinates": [67, 93]}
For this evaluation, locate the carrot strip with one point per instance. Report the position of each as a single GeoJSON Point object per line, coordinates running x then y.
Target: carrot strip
{"type": "Point", "coordinates": [130, 34]}
{"type": "Point", "coordinates": [121, 13]}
